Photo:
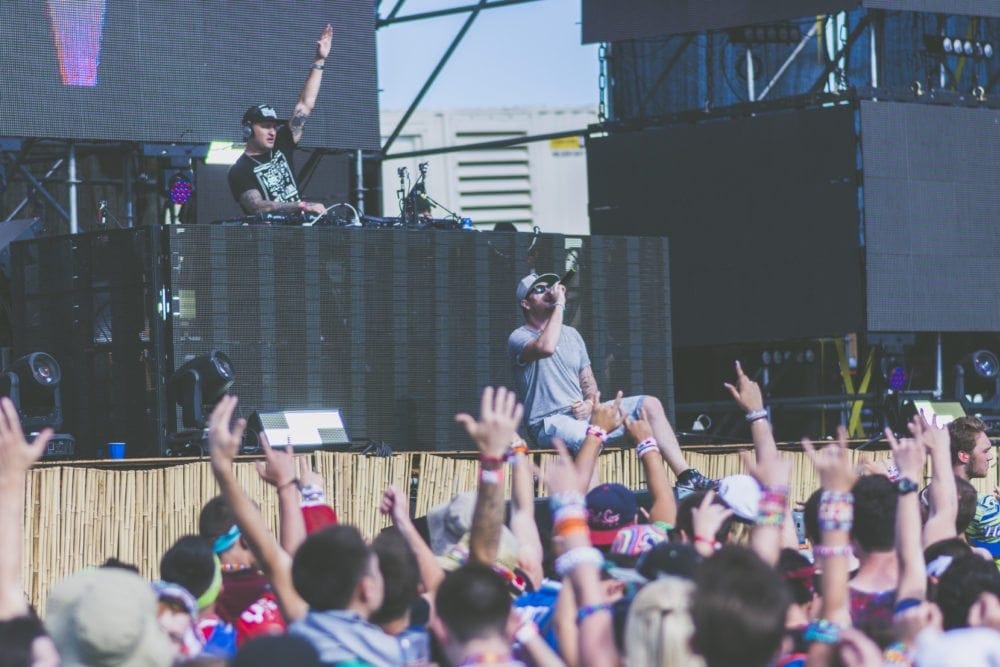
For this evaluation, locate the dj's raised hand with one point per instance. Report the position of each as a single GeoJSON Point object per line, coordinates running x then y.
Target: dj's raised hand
{"type": "Point", "coordinates": [324, 43]}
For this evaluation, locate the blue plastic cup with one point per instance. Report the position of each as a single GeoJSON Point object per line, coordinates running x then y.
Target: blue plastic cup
{"type": "Point", "coordinates": [116, 450]}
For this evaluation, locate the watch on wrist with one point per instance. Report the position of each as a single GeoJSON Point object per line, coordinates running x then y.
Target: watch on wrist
{"type": "Point", "coordinates": [905, 485]}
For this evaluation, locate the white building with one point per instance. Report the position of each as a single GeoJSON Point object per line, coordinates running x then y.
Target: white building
{"type": "Point", "coordinates": [543, 183]}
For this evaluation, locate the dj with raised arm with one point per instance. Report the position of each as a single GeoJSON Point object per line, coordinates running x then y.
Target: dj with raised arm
{"type": "Point", "coordinates": [556, 383]}
{"type": "Point", "coordinates": [263, 179]}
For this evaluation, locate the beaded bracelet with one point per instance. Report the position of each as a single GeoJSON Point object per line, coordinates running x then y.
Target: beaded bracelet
{"type": "Point", "coordinates": [825, 551]}
{"type": "Point", "coordinates": [573, 558]}
{"type": "Point", "coordinates": [836, 511]}
{"type": "Point", "coordinates": [597, 432]}
{"type": "Point", "coordinates": [646, 446]}
{"type": "Point", "coordinates": [823, 631]}
{"type": "Point", "coordinates": [586, 612]}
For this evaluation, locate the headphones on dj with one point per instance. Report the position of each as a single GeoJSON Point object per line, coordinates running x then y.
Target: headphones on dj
{"type": "Point", "coordinates": [247, 130]}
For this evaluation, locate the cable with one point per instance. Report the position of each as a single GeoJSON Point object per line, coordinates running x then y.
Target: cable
{"type": "Point", "coordinates": [357, 217]}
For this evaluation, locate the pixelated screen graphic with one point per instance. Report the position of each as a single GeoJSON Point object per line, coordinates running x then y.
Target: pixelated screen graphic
{"type": "Point", "coordinates": [183, 71]}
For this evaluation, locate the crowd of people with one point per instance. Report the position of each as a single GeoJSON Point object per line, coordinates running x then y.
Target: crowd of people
{"type": "Point", "coordinates": [706, 576]}
{"type": "Point", "coordinates": [713, 573]}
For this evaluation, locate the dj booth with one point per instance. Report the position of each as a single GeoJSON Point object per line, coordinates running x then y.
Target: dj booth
{"type": "Point", "coordinates": [399, 329]}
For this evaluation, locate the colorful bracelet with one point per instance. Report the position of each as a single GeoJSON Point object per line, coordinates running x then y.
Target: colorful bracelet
{"type": "Point", "coordinates": [755, 415]}
{"type": "Point", "coordinates": [646, 446]}
{"type": "Point", "coordinates": [571, 526]}
{"type": "Point", "coordinates": [573, 558]}
{"type": "Point", "coordinates": [487, 476]}
{"type": "Point", "coordinates": [825, 551]}
{"type": "Point", "coordinates": [586, 612]}
{"type": "Point", "coordinates": [517, 448]}
{"type": "Point", "coordinates": [597, 432]}
{"type": "Point", "coordinates": [836, 511]}
{"type": "Point", "coordinates": [823, 631]}
{"type": "Point", "coordinates": [772, 505]}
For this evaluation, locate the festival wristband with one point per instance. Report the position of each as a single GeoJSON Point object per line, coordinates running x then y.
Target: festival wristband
{"type": "Point", "coordinates": [646, 446]}
{"type": "Point", "coordinates": [487, 476]}
{"type": "Point", "coordinates": [772, 506]}
{"type": "Point", "coordinates": [573, 558]}
{"type": "Point", "coordinates": [597, 432]}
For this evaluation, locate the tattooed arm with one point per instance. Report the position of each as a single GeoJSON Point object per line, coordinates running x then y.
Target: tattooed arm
{"type": "Point", "coordinates": [310, 90]}
{"type": "Point", "coordinates": [588, 383]}
{"type": "Point", "coordinates": [253, 201]}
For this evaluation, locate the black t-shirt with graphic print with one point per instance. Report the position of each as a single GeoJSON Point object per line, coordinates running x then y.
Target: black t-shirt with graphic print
{"type": "Point", "coordinates": [271, 174]}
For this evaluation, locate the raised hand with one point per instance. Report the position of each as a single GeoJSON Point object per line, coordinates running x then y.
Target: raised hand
{"type": "Point", "coordinates": [16, 454]}
{"type": "Point", "coordinates": [308, 476]}
{"type": "Point", "coordinates": [832, 463]}
{"type": "Point", "coordinates": [638, 429]}
{"type": "Point", "coordinates": [396, 505]}
{"type": "Point", "coordinates": [908, 453]}
{"type": "Point", "coordinates": [707, 518]}
{"type": "Point", "coordinates": [224, 440]}
{"type": "Point", "coordinates": [607, 417]}
{"type": "Point", "coordinates": [745, 392]}
{"type": "Point", "coordinates": [278, 466]}
{"type": "Point", "coordinates": [499, 416]}
{"type": "Point", "coordinates": [324, 42]}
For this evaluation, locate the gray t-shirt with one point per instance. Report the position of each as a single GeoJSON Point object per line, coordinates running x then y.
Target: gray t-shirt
{"type": "Point", "coordinates": [552, 384]}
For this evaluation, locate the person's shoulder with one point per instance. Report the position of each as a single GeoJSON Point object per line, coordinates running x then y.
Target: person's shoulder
{"type": "Point", "coordinates": [521, 334]}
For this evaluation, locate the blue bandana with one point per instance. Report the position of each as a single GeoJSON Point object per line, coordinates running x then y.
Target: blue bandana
{"type": "Point", "coordinates": [226, 540]}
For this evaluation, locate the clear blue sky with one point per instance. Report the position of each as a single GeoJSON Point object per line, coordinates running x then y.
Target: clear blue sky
{"type": "Point", "coordinates": [520, 55]}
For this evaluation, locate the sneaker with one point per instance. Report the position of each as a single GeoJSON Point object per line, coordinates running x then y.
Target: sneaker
{"type": "Point", "coordinates": [690, 481]}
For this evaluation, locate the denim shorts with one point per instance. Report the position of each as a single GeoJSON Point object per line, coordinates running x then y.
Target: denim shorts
{"type": "Point", "coordinates": [573, 431]}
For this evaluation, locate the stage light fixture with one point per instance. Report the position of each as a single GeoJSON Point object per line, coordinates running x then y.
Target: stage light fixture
{"type": "Point", "coordinates": [977, 381]}
{"type": "Point", "coordinates": [32, 383]}
{"type": "Point", "coordinates": [199, 384]}
{"type": "Point", "coordinates": [180, 188]}
{"type": "Point", "coordinates": [957, 46]}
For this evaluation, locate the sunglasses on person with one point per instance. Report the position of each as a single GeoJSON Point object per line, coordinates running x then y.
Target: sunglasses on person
{"type": "Point", "coordinates": [541, 288]}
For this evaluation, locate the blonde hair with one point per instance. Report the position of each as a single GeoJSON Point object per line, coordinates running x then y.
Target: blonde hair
{"type": "Point", "coordinates": [659, 627]}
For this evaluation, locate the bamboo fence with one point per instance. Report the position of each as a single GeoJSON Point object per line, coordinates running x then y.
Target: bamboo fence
{"type": "Point", "coordinates": [78, 516]}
